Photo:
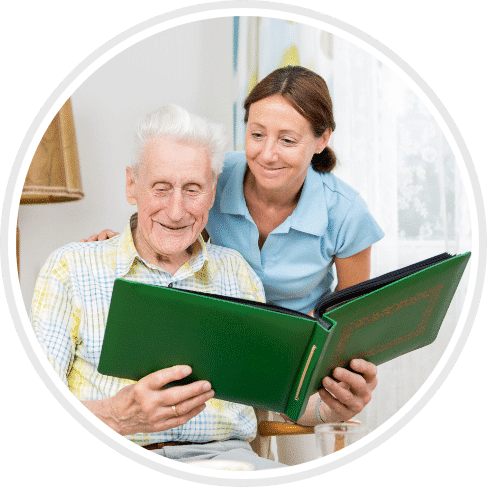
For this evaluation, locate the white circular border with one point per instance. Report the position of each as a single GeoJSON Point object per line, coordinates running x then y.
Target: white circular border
{"type": "Point", "coordinates": [174, 19]}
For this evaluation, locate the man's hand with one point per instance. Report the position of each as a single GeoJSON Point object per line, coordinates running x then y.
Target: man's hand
{"type": "Point", "coordinates": [103, 235]}
{"type": "Point", "coordinates": [350, 392]}
{"type": "Point", "coordinates": [145, 407]}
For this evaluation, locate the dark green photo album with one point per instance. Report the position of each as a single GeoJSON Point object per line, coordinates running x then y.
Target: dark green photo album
{"type": "Point", "coordinates": [270, 357]}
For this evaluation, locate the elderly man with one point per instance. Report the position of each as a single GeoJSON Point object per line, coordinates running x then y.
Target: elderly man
{"type": "Point", "coordinates": [172, 183]}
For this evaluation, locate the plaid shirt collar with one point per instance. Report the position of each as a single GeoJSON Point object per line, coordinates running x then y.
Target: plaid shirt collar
{"type": "Point", "coordinates": [127, 256]}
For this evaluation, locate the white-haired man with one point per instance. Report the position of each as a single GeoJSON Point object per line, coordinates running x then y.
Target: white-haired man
{"type": "Point", "coordinates": [172, 182]}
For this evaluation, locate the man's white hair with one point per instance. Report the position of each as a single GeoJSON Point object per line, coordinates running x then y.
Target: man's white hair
{"type": "Point", "coordinates": [175, 123]}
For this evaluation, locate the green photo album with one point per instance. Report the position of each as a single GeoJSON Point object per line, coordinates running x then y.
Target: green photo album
{"type": "Point", "coordinates": [270, 357]}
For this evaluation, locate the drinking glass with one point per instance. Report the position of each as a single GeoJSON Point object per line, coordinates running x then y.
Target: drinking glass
{"type": "Point", "coordinates": [332, 437]}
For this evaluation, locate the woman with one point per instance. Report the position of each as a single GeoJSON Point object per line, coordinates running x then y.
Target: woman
{"type": "Point", "coordinates": [292, 222]}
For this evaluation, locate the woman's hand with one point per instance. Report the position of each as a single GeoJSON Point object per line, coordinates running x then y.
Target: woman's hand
{"type": "Point", "coordinates": [342, 397]}
{"type": "Point", "coordinates": [103, 235]}
{"type": "Point", "coordinates": [347, 393]}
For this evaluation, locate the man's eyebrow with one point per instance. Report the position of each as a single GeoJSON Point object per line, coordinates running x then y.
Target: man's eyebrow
{"type": "Point", "coordinates": [188, 183]}
{"type": "Point", "coordinates": [160, 181]}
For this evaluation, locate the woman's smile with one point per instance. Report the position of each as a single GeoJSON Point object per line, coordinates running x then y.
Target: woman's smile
{"type": "Point", "coordinates": [269, 171]}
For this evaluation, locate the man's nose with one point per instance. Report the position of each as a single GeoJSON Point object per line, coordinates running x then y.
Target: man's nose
{"type": "Point", "coordinates": [175, 209]}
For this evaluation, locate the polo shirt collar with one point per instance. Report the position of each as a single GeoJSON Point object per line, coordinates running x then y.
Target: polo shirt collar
{"type": "Point", "coordinates": [127, 254]}
{"type": "Point", "coordinates": [199, 258]}
{"type": "Point", "coordinates": [126, 251]}
{"type": "Point", "coordinates": [310, 215]}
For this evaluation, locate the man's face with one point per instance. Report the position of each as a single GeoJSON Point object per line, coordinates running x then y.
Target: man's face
{"type": "Point", "coordinates": [174, 192]}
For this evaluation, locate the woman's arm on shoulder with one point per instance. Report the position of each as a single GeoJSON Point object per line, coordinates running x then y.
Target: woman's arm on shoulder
{"type": "Point", "coordinates": [103, 235]}
{"type": "Point", "coordinates": [353, 270]}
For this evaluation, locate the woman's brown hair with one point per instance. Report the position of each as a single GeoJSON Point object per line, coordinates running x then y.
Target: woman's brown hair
{"type": "Point", "coordinates": [308, 93]}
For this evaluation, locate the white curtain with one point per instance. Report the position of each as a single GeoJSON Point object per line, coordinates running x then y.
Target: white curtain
{"type": "Point", "coordinates": [390, 149]}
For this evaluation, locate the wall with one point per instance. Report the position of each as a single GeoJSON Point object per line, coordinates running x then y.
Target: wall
{"type": "Point", "coordinates": [170, 67]}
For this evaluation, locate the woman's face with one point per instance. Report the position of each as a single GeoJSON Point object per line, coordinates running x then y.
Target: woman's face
{"type": "Point", "coordinates": [279, 144]}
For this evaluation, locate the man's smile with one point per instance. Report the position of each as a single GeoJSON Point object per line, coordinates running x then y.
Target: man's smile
{"type": "Point", "coordinates": [172, 227]}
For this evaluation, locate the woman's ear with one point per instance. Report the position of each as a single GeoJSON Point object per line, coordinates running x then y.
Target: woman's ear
{"type": "Point", "coordinates": [323, 140]}
{"type": "Point", "coordinates": [130, 186]}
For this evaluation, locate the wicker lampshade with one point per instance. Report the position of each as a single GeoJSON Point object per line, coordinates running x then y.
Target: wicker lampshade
{"type": "Point", "coordinates": [54, 174]}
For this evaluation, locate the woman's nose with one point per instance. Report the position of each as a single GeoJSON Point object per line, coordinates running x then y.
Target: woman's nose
{"type": "Point", "coordinates": [269, 151]}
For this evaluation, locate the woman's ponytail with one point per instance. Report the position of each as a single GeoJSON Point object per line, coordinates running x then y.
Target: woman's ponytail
{"type": "Point", "coordinates": [325, 161]}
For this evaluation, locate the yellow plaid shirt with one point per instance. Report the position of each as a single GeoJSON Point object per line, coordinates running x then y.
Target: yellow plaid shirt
{"type": "Point", "coordinates": [70, 309]}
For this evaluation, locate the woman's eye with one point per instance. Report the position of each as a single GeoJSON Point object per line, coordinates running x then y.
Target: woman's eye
{"type": "Point", "coordinates": [289, 141]}
{"type": "Point", "coordinates": [257, 135]}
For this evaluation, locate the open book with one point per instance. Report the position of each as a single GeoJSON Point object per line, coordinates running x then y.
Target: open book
{"type": "Point", "coordinates": [271, 357]}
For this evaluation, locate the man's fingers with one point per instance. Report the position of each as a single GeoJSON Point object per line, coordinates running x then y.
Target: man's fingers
{"type": "Point", "coordinates": [185, 409]}
{"type": "Point", "coordinates": [157, 380]}
{"type": "Point", "coordinates": [188, 405]}
{"type": "Point", "coordinates": [198, 392]}
{"type": "Point", "coordinates": [176, 394]}
{"type": "Point", "coordinates": [183, 418]}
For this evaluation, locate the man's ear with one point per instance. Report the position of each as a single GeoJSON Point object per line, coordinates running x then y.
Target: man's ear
{"type": "Point", "coordinates": [130, 185]}
{"type": "Point", "coordinates": [214, 189]}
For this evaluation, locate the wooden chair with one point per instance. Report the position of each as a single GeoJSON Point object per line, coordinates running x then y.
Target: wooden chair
{"type": "Point", "coordinates": [276, 428]}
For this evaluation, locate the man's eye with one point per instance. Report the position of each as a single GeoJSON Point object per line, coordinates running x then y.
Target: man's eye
{"type": "Point", "coordinates": [257, 135]}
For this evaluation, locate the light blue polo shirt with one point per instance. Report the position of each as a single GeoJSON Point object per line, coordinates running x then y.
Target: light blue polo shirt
{"type": "Point", "coordinates": [295, 262]}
